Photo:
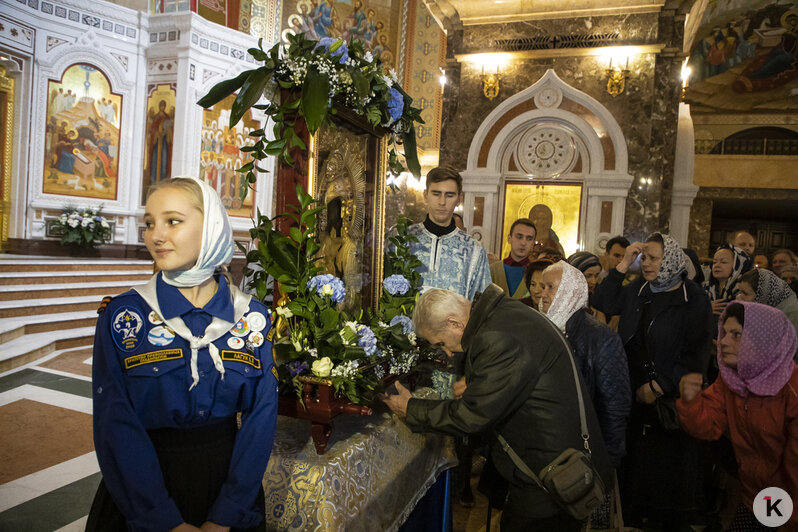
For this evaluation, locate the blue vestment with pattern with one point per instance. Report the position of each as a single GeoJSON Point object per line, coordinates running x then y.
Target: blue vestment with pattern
{"type": "Point", "coordinates": [454, 261]}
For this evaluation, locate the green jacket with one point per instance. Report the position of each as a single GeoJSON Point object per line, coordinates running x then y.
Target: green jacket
{"type": "Point", "coordinates": [519, 383]}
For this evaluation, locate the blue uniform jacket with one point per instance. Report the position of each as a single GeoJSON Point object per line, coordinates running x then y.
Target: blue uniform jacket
{"type": "Point", "coordinates": [141, 379]}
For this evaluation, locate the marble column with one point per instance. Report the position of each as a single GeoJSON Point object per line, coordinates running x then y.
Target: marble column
{"type": "Point", "coordinates": [648, 207]}
{"type": "Point", "coordinates": [451, 94]}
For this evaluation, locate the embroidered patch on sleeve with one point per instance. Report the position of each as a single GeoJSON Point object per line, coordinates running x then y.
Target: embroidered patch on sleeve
{"type": "Point", "coordinates": [152, 357]}
{"type": "Point", "coordinates": [238, 356]}
{"type": "Point", "coordinates": [127, 328]}
{"type": "Point", "coordinates": [274, 372]}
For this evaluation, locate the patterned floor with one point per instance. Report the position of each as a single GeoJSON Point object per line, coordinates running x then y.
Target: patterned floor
{"type": "Point", "coordinates": [50, 472]}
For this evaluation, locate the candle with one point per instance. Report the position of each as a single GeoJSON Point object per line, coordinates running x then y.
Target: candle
{"type": "Point", "coordinates": [610, 67]}
{"type": "Point", "coordinates": [627, 62]}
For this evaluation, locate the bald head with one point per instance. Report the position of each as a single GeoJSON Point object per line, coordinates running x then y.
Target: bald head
{"type": "Point", "coordinates": [745, 241]}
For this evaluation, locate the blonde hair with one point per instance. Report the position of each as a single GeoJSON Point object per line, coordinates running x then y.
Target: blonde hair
{"type": "Point", "coordinates": [187, 185]}
{"type": "Point", "coordinates": [435, 306]}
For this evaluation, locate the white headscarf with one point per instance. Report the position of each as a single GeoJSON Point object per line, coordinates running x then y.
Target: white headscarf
{"type": "Point", "coordinates": [217, 241]}
{"type": "Point", "coordinates": [571, 296]}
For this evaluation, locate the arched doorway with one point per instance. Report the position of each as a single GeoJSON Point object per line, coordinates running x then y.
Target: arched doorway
{"type": "Point", "coordinates": [548, 134]}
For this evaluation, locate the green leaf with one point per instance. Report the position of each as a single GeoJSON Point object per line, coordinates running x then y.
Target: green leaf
{"type": "Point", "coordinates": [223, 89]}
{"type": "Point", "coordinates": [360, 82]}
{"type": "Point", "coordinates": [329, 318]}
{"type": "Point", "coordinates": [259, 55]}
{"type": "Point", "coordinates": [296, 234]}
{"type": "Point", "coordinates": [411, 153]}
{"type": "Point", "coordinates": [251, 91]}
{"type": "Point", "coordinates": [283, 253]}
{"type": "Point", "coordinates": [315, 92]}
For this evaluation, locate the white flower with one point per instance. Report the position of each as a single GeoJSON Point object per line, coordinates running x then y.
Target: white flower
{"type": "Point", "coordinates": [388, 81]}
{"type": "Point", "coordinates": [85, 222]}
{"type": "Point", "coordinates": [313, 352]}
{"type": "Point", "coordinates": [297, 346]}
{"type": "Point", "coordinates": [351, 324]}
{"type": "Point", "coordinates": [394, 77]}
{"type": "Point", "coordinates": [105, 224]}
{"type": "Point", "coordinates": [285, 312]}
{"type": "Point", "coordinates": [368, 58]}
{"type": "Point", "coordinates": [321, 368]}
{"type": "Point", "coordinates": [327, 290]}
{"type": "Point", "coordinates": [383, 324]}
{"type": "Point", "coordinates": [73, 222]}
{"type": "Point", "coordinates": [412, 337]}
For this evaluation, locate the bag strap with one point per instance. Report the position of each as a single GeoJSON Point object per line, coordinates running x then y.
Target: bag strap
{"type": "Point", "coordinates": [519, 463]}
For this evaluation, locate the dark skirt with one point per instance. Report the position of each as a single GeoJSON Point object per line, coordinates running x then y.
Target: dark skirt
{"type": "Point", "coordinates": [194, 463]}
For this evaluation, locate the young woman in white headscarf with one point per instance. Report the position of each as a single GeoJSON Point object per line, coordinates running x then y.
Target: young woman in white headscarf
{"type": "Point", "coordinates": [765, 287]}
{"type": "Point", "coordinates": [666, 330]}
{"type": "Point", "coordinates": [175, 361]}
{"type": "Point", "coordinates": [599, 354]}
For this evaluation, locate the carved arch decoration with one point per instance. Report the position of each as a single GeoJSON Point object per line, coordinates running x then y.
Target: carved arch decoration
{"type": "Point", "coordinates": [549, 132]}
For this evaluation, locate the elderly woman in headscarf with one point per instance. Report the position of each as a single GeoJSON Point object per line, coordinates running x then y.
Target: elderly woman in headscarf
{"type": "Point", "coordinates": [666, 331]}
{"type": "Point", "coordinates": [763, 286]}
{"type": "Point", "coordinates": [754, 401]}
{"type": "Point", "coordinates": [598, 353]}
{"type": "Point", "coordinates": [728, 264]}
{"type": "Point", "coordinates": [175, 361]}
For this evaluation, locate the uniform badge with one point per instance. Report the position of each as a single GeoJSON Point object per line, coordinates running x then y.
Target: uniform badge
{"type": "Point", "coordinates": [256, 321]}
{"type": "Point", "coordinates": [274, 372]}
{"type": "Point", "coordinates": [126, 327]}
{"type": "Point", "coordinates": [234, 342]}
{"type": "Point", "coordinates": [154, 318]}
{"type": "Point", "coordinates": [256, 339]}
{"type": "Point", "coordinates": [161, 335]}
{"type": "Point", "coordinates": [241, 328]}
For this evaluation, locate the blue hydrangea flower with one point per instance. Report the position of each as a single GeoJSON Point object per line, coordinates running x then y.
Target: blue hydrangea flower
{"type": "Point", "coordinates": [396, 104]}
{"type": "Point", "coordinates": [367, 340]}
{"type": "Point", "coordinates": [327, 285]}
{"type": "Point", "coordinates": [342, 52]}
{"type": "Point", "coordinates": [407, 323]}
{"type": "Point", "coordinates": [296, 367]}
{"type": "Point", "coordinates": [396, 284]}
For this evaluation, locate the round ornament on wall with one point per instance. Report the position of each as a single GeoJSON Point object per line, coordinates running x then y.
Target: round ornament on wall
{"type": "Point", "coordinates": [546, 151]}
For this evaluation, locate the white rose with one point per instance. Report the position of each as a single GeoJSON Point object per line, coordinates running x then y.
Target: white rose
{"type": "Point", "coordinates": [322, 368]}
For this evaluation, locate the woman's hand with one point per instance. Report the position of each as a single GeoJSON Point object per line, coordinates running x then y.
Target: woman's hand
{"type": "Point", "coordinates": [690, 386]}
{"type": "Point", "coordinates": [645, 394]}
{"type": "Point", "coordinates": [459, 388]}
{"type": "Point", "coordinates": [718, 306]}
{"type": "Point", "coordinates": [630, 255]}
{"type": "Point", "coordinates": [185, 527]}
{"type": "Point", "coordinates": [207, 526]}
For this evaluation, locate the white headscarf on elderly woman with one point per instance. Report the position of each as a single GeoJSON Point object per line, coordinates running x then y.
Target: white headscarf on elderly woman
{"type": "Point", "coordinates": [571, 296]}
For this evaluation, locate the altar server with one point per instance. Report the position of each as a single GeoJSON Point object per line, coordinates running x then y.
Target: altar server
{"type": "Point", "coordinates": [174, 361]}
{"type": "Point", "coordinates": [450, 258]}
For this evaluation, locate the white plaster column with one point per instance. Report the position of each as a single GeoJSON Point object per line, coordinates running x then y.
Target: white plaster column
{"type": "Point", "coordinates": [487, 185]}
{"type": "Point", "coordinates": [684, 191]}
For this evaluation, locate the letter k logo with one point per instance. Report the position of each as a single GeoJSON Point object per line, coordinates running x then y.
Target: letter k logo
{"type": "Point", "coordinates": [772, 506]}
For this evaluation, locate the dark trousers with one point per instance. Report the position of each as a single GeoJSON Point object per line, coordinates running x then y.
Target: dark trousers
{"type": "Point", "coordinates": [528, 510]}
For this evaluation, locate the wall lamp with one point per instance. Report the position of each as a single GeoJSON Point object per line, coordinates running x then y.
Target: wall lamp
{"type": "Point", "coordinates": [616, 77]}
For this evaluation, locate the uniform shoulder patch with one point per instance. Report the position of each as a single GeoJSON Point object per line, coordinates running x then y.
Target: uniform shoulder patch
{"type": "Point", "coordinates": [127, 328]}
{"type": "Point", "coordinates": [103, 304]}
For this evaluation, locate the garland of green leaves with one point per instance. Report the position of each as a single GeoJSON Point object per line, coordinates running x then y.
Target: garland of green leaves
{"type": "Point", "coordinates": [328, 75]}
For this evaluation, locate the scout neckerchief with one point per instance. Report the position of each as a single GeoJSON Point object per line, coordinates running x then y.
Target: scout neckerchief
{"type": "Point", "coordinates": [215, 330]}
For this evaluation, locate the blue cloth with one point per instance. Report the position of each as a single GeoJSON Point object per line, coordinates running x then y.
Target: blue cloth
{"type": "Point", "coordinates": [140, 383]}
{"type": "Point", "coordinates": [514, 275]}
{"type": "Point", "coordinates": [454, 261]}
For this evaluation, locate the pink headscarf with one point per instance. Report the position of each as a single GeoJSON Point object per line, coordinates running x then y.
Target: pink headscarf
{"type": "Point", "coordinates": [767, 346]}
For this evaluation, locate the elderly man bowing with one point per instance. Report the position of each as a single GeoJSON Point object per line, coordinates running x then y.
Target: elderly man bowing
{"type": "Point", "coordinates": [519, 384]}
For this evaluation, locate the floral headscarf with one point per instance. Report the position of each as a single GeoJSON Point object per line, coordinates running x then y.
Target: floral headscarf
{"type": "Point", "coordinates": [742, 263]}
{"type": "Point", "coordinates": [673, 268]}
{"type": "Point", "coordinates": [770, 290]}
{"type": "Point", "coordinates": [217, 241]}
{"type": "Point", "coordinates": [571, 294]}
{"type": "Point", "coordinates": [765, 357]}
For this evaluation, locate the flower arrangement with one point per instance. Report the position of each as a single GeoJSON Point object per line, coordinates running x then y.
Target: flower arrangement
{"type": "Point", "coordinates": [312, 337]}
{"type": "Point", "coordinates": [82, 227]}
{"type": "Point", "coordinates": [329, 75]}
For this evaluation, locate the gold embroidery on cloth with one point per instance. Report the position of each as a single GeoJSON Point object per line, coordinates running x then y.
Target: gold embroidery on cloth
{"type": "Point", "coordinates": [238, 356]}
{"type": "Point", "coordinates": [152, 357]}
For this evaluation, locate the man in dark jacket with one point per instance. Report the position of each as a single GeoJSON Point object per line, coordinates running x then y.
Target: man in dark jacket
{"type": "Point", "coordinates": [519, 383]}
